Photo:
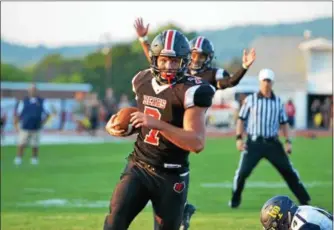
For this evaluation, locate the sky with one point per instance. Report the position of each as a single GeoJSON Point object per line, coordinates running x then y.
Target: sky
{"type": "Point", "coordinates": [68, 23]}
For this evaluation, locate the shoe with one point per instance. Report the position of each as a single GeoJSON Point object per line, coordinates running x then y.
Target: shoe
{"type": "Point", "coordinates": [234, 202]}
{"type": "Point", "coordinates": [18, 161]}
{"type": "Point", "coordinates": [189, 210]}
{"type": "Point", "coordinates": [34, 161]}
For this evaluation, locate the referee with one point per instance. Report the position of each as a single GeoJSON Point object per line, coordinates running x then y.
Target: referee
{"type": "Point", "coordinates": [264, 115]}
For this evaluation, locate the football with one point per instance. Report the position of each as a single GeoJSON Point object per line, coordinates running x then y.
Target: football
{"type": "Point", "coordinates": [123, 118]}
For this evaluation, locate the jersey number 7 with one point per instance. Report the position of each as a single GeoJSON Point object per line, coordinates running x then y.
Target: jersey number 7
{"type": "Point", "coordinates": [152, 137]}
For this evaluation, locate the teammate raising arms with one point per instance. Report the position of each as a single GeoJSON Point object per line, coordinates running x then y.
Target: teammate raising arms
{"type": "Point", "coordinates": [202, 54]}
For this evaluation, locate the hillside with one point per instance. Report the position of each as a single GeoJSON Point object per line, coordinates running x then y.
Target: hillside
{"type": "Point", "coordinates": [21, 55]}
{"type": "Point", "coordinates": [228, 42]}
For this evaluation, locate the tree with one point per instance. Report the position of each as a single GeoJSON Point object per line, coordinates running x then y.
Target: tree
{"type": "Point", "coordinates": [234, 65]}
{"type": "Point", "coordinates": [74, 78]}
{"type": "Point", "coordinates": [12, 73]}
{"type": "Point", "coordinates": [54, 65]}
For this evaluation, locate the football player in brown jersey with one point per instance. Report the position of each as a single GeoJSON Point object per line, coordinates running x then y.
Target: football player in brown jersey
{"type": "Point", "coordinates": [170, 124]}
{"type": "Point", "coordinates": [202, 54]}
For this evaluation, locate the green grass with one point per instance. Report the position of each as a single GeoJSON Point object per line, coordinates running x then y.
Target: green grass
{"type": "Point", "coordinates": [88, 173]}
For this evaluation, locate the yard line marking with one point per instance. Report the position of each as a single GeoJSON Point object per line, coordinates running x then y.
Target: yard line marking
{"type": "Point", "coordinates": [76, 203]}
{"type": "Point", "coordinates": [49, 190]}
{"type": "Point", "coordinates": [264, 184]}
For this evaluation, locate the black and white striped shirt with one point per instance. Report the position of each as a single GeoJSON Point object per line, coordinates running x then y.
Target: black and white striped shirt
{"type": "Point", "coordinates": [263, 115]}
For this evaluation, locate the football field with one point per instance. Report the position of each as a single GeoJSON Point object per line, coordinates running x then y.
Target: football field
{"type": "Point", "coordinates": [71, 187]}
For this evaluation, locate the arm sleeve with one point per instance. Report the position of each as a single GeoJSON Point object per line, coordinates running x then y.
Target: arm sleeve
{"type": "Point", "coordinates": [245, 108]}
{"type": "Point", "coordinates": [199, 95]}
{"type": "Point", "coordinates": [226, 81]}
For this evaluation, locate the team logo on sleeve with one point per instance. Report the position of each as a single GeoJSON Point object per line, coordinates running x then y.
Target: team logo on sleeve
{"type": "Point", "coordinates": [197, 80]}
{"type": "Point", "coordinates": [179, 187]}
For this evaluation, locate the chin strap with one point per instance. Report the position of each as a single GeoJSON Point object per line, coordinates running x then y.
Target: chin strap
{"type": "Point", "coordinates": [169, 77]}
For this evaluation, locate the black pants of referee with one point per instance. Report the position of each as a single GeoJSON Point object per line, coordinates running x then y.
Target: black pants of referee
{"type": "Point", "coordinates": [272, 150]}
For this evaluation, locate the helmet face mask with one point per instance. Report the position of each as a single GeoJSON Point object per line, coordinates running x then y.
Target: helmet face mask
{"type": "Point", "coordinates": [203, 49]}
{"type": "Point", "coordinates": [168, 67]}
{"type": "Point", "coordinates": [277, 213]}
{"type": "Point", "coordinates": [169, 53]}
{"type": "Point", "coordinates": [197, 60]}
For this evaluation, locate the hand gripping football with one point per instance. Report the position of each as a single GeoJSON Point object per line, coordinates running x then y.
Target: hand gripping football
{"type": "Point", "coordinates": [123, 119]}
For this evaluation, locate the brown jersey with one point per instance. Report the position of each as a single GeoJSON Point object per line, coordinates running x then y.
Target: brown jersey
{"type": "Point", "coordinates": [167, 103]}
{"type": "Point", "coordinates": [212, 75]}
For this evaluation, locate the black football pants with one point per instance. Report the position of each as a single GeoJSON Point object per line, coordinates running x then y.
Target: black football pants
{"type": "Point", "coordinates": [274, 152]}
{"type": "Point", "coordinates": [138, 185]}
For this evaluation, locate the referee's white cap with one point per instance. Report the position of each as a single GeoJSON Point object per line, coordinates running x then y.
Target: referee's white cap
{"type": "Point", "coordinates": [266, 74]}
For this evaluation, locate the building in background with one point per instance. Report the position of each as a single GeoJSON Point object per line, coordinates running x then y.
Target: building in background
{"type": "Point", "coordinates": [303, 68]}
{"type": "Point", "coordinates": [319, 77]}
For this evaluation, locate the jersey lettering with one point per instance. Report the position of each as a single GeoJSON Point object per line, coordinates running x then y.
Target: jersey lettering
{"type": "Point", "coordinates": [198, 80]}
{"type": "Point", "coordinates": [152, 137]}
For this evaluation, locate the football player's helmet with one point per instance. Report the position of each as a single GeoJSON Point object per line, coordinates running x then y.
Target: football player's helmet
{"type": "Point", "coordinates": [277, 213]}
{"type": "Point", "coordinates": [203, 46]}
{"type": "Point", "coordinates": [170, 43]}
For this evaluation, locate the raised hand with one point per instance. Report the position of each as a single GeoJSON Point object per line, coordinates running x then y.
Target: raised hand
{"type": "Point", "coordinates": [140, 28]}
{"type": "Point", "coordinates": [248, 57]}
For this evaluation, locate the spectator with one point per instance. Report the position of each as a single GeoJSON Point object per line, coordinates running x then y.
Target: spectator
{"type": "Point", "coordinates": [315, 113]}
{"type": "Point", "coordinates": [291, 113]}
{"type": "Point", "coordinates": [124, 102]}
{"type": "Point", "coordinates": [79, 113]}
{"type": "Point", "coordinates": [3, 120]}
{"type": "Point", "coordinates": [93, 110]}
{"type": "Point", "coordinates": [62, 115]}
{"type": "Point", "coordinates": [109, 103]}
{"type": "Point", "coordinates": [331, 116]}
{"type": "Point", "coordinates": [31, 115]}
{"type": "Point", "coordinates": [325, 112]}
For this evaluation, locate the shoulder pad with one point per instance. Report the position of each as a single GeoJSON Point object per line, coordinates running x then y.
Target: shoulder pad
{"type": "Point", "coordinates": [221, 74]}
{"type": "Point", "coordinates": [137, 78]}
{"type": "Point", "coordinates": [199, 95]}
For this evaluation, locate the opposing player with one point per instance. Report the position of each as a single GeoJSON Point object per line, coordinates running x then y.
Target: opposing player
{"type": "Point", "coordinates": [202, 54]}
{"type": "Point", "coordinates": [281, 213]}
{"type": "Point", "coordinates": [171, 123]}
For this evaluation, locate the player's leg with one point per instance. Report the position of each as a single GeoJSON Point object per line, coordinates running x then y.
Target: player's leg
{"type": "Point", "coordinates": [169, 201]}
{"type": "Point", "coordinates": [129, 198]}
{"type": "Point", "coordinates": [189, 210]}
{"type": "Point", "coordinates": [2, 125]}
{"type": "Point", "coordinates": [279, 159]}
{"type": "Point", "coordinates": [23, 140]}
{"type": "Point", "coordinates": [35, 139]}
{"type": "Point", "coordinates": [248, 160]}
